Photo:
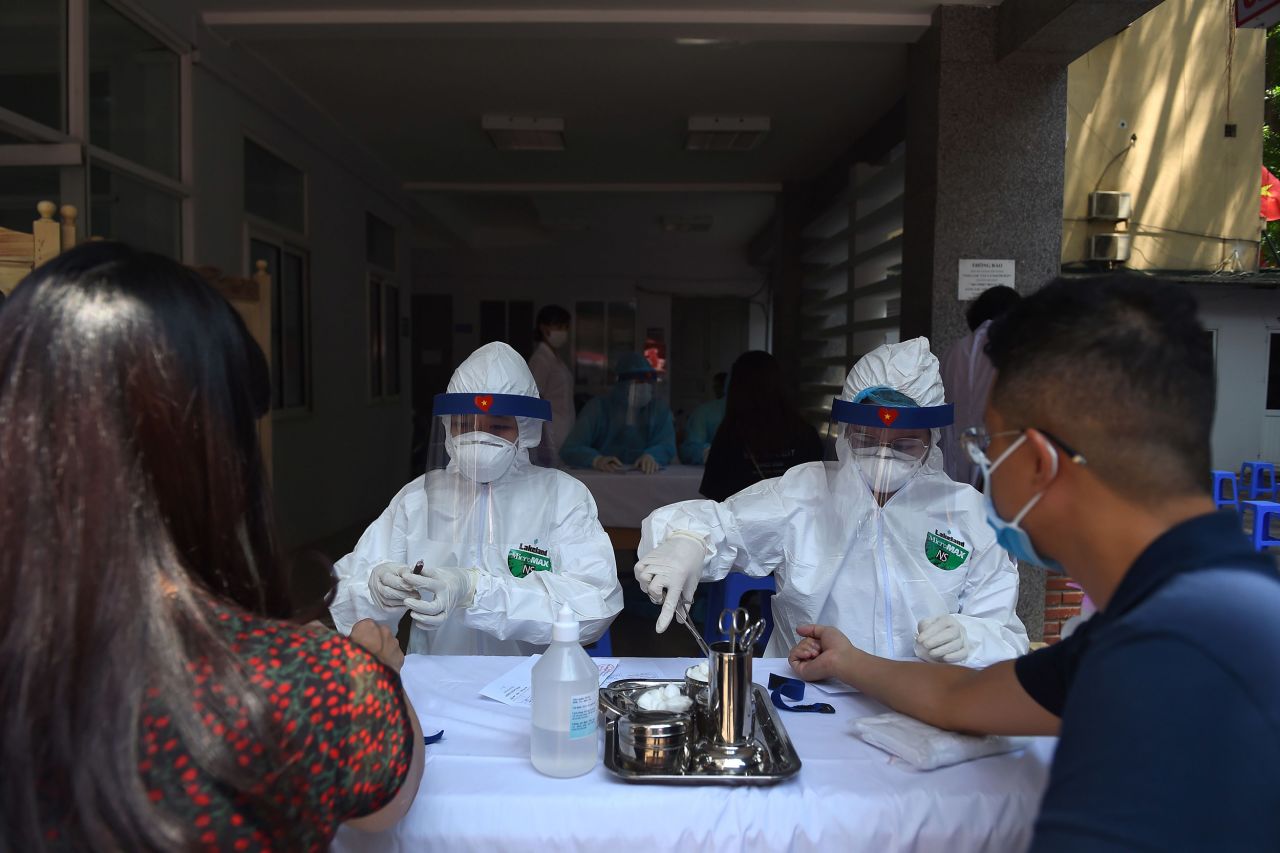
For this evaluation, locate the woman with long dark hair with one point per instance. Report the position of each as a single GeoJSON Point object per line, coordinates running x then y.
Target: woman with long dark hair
{"type": "Point", "coordinates": [762, 435]}
{"type": "Point", "coordinates": [155, 693]}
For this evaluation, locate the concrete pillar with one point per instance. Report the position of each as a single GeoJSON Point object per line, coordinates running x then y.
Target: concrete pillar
{"type": "Point", "coordinates": [984, 179]}
{"type": "Point", "coordinates": [984, 172]}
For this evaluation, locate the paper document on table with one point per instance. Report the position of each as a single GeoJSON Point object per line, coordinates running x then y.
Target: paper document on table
{"type": "Point", "coordinates": [513, 687]}
{"type": "Point", "coordinates": [633, 670]}
{"type": "Point", "coordinates": [834, 686]}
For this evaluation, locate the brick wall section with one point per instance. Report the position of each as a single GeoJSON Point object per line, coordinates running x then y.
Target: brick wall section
{"type": "Point", "coordinates": [1061, 602]}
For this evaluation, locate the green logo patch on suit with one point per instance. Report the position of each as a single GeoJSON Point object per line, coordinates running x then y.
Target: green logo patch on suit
{"type": "Point", "coordinates": [945, 551]}
{"type": "Point", "coordinates": [528, 558]}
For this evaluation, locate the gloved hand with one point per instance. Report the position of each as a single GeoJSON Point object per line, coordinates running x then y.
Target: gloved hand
{"type": "Point", "coordinates": [706, 451]}
{"type": "Point", "coordinates": [387, 586]}
{"type": "Point", "coordinates": [942, 639]}
{"type": "Point", "coordinates": [449, 587]}
{"type": "Point", "coordinates": [607, 463]}
{"type": "Point", "coordinates": [647, 464]}
{"type": "Point", "coordinates": [670, 574]}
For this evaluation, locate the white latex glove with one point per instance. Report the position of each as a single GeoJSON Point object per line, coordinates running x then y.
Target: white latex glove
{"type": "Point", "coordinates": [669, 574]}
{"type": "Point", "coordinates": [647, 464]}
{"type": "Point", "coordinates": [441, 589]}
{"type": "Point", "coordinates": [942, 639]}
{"type": "Point", "coordinates": [387, 586]}
{"type": "Point", "coordinates": [607, 463]}
{"type": "Point", "coordinates": [706, 451]}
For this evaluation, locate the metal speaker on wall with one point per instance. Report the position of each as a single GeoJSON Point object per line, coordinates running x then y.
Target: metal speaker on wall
{"type": "Point", "coordinates": [1106, 206]}
{"type": "Point", "coordinates": [1110, 247]}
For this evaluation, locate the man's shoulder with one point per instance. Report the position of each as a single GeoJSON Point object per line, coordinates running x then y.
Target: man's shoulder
{"type": "Point", "coordinates": [1226, 612]}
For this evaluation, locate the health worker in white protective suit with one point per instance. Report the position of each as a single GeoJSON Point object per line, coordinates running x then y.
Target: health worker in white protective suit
{"type": "Point", "coordinates": [502, 542]}
{"type": "Point", "coordinates": [881, 543]}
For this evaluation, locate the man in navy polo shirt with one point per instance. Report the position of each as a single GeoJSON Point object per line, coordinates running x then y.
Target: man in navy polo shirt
{"type": "Point", "coordinates": [1096, 458]}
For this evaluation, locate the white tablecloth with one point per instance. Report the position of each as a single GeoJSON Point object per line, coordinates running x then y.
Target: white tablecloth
{"type": "Point", "coordinates": [625, 500]}
{"type": "Point", "coordinates": [480, 792]}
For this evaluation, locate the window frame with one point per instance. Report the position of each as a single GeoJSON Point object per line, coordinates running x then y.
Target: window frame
{"type": "Point", "coordinates": [255, 229]}
{"type": "Point", "coordinates": [76, 184]}
{"type": "Point", "coordinates": [304, 234]}
{"type": "Point", "coordinates": [378, 278]}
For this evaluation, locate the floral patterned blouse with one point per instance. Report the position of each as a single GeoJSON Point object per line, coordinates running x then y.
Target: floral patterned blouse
{"type": "Point", "coordinates": [348, 741]}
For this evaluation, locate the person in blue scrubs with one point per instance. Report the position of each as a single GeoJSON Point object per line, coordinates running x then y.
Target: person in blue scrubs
{"type": "Point", "coordinates": [1095, 454]}
{"type": "Point", "coordinates": [700, 430]}
{"type": "Point", "coordinates": [627, 427]}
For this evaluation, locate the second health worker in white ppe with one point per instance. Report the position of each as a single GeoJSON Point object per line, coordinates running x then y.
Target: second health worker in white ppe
{"type": "Point", "coordinates": [502, 542]}
{"type": "Point", "coordinates": [879, 543]}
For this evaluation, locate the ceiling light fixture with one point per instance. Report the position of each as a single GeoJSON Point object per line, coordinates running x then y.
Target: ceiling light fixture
{"type": "Point", "coordinates": [524, 133]}
{"type": "Point", "coordinates": [726, 133]}
{"type": "Point", "coordinates": [696, 42]}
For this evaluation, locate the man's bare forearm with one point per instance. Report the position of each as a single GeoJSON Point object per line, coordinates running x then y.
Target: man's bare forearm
{"type": "Point", "coordinates": [985, 701]}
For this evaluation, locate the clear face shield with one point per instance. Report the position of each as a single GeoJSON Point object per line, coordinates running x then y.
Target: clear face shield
{"type": "Point", "coordinates": [886, 445]}
{"type": "Point", "coordinates": [640, 396]}
{"type": "Point", "coordinates": [478, 442]}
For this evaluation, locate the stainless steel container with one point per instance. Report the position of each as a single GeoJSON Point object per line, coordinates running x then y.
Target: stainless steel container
{"type": "Point", "coordinates": [700, 693]}
{"type": "Point", "coordinates": [731, 710]}
{"type": "Point", "coordinates": [655, 740]}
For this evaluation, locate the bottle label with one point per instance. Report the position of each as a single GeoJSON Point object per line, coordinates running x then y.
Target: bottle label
{"type": "Point", "coordinates": [582, 715]}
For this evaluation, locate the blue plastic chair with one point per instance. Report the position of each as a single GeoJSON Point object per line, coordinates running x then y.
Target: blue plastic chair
{"type": "Point", "coordinates": [1256, 468]}
{"type": "Point", "coordinates": [603, 647]}
{"type": "Point", "coordinates": [727, 594]}
{"type": "Point", "coordinates": [1262, 514]}
{"type": "Point", "coordinates": [1226, 478]}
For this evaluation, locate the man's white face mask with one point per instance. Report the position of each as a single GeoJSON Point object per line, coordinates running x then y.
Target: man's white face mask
{"type": "Point", "coordinates": [557, 338]}
{"type": "Point", "coordinates": [482, 456]}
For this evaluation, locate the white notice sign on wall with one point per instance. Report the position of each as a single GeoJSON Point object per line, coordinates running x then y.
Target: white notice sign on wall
{"type": "Point", "coordinates": [979, 275]}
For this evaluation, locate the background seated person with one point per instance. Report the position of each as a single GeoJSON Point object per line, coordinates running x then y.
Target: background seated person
{"type": "Point", "coordinates": [627, 427]}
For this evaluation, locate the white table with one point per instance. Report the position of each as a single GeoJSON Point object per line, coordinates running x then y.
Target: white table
{"type": "Point", "coordinates": [479, 791]}
{"type": "Point", "coordinates": [624, 500]}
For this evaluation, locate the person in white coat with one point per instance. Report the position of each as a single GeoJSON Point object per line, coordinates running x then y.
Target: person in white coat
{"type": "Point", "coordinates": [881, 543]}
{"type": "Point", "coordinates": [554, 380]}
{"type": "Point", "coordinates": [502, 543]}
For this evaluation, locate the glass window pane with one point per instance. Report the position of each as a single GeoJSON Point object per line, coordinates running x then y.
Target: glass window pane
{"type": "Point", "coordinates": [33, 63]}
{"type": "Point", "coordinates": [589, 354]}
{"type": "Point", "coordinates": [21, 189]}
{"type": "Point", "coordinates": [391, 339]}
{"type": "Point", "coordinates": [122, 208]}
{"type": "Point", "coordinates": [293, 303]}
{"type": "Point", "coordinates": [380, 242]}
{"type": "Point", "coordinates": [262, 251]}
{"type": "Point", "coordinates": [375, 337]}
{"type": "Point", "coordinates": [622, 330]}
{"type": "Point", "coordinates": [273, 189]}
{"type": "Point", "coordinates": [133, 91]}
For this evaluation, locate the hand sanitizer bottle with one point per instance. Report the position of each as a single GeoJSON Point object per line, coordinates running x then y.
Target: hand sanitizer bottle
{"type": "Point", "coordinates": [566, 693]}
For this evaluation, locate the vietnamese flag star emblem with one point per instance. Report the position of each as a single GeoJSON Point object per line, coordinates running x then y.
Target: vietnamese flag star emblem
{"type": "Point", "coordinates": [1269, 202]}
{"type": "Point", "coordinates": [888, 416]}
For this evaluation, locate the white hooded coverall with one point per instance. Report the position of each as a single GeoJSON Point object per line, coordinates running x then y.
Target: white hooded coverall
{"type": "Point", "coordinates": [528, 506]}
{"type": "Point", "coordinates": [841, 559]}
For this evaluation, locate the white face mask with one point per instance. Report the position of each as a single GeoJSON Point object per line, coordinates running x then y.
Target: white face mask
{"type": "Point", "coordinates": [641, 394]}
{"type": "Point", "coordinates": [557, 338]}
{"type": "Point", "coordinates": [883, 472]}
{"type": "Point", "coordinates": [481, 456]}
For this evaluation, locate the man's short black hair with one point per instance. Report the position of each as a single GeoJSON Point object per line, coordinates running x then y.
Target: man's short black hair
{"type": "Point", "coordinates": [1119, 368]}
{"type": "Point", "coordinates": [990, 304]}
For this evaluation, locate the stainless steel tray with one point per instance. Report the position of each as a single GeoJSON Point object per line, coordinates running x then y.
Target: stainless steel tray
{"type": "Point", "coordinates": [780, 761]}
